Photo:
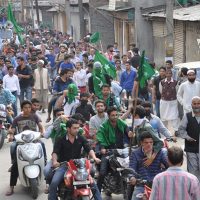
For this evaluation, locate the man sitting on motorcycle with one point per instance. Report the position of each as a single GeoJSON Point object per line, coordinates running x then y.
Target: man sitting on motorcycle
{"type": "Point", "coordinates": [137, 163]}
{"type": "Point", "coordinates": [66, 148]}
{"type": "Point", "coordinates": [142, 124]}
{"type": "Point", "coordinates": [6, 98]}
{"type": "Point", "coordinates": [112, 134]}
{"type": "Point", "coordinates": [25, 121]}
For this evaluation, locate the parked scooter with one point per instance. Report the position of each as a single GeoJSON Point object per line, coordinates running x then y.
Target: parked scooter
{"type": "Point", "coordinates": [77, 180]}
{"type": "Point", "coordinates": [30, 160]}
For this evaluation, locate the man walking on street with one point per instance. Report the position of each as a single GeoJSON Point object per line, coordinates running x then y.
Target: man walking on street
{"type": "Point", "coordinates": [11, 82]}
{"type": "Point", "coordinates": [41, 84]}
{"type": "Point", "coordinates": [189, 130]}
{"type": "Point", "coordinates": [187, 90]}
{"type": "Point", "coordinates": [25, 79]}
{"type": "Point", "coordinates": [175, 183]}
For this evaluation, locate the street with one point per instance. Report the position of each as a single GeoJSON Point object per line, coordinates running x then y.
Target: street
{"type": "Point", "coordinates": [22, 193]}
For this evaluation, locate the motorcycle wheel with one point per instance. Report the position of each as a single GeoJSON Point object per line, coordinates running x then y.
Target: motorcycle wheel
{"type": "Point", "coordinates": [34, 188]}
{"type": "Point", "coordinates": [1, 139]}
{"type": "Point", "coordinates": [85, 198]}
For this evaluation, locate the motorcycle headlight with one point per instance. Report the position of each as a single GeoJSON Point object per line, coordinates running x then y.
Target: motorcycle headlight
{"type": "Point", "coordinates": [81, 176]}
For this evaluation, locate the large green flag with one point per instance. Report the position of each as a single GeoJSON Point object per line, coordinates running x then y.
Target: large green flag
{"type": "Point", "coordinates": [145, 71]}
{"type": "Point", "coordinates": [11, 18]}
{"type": "Point", "coordinates": [108, 68]}
{"type": "Point", "coordinates": [95, 37]}
{"type": "Point", "coordinates": [98, 82]}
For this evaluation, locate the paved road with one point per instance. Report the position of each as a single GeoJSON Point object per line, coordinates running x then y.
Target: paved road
{"type": "Point", "coordinates": [22, 193]}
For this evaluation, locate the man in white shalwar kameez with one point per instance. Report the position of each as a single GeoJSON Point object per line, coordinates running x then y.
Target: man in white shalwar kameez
{"type": "Point", "coordinates": [168, 102]}
{"type": "Point", "coordinates": [188, 90]}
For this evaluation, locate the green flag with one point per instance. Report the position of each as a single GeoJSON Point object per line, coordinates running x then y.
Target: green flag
{"type": "Point", "coordinates": [95, 37]}
{"type": "Point", "coordinates": [11, 18]}
{"type": "Point", "coordinates": [98, 82]}
{"type": "Point", "coordinates": [145, 71]}
{"type": "Point", "coordinates": [108, 68]}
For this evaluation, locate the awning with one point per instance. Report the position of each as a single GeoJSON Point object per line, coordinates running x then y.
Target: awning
{"type": "Point", "coordinates": [117, 9]}
{"type": "Point", "coordinates": [191, 13]}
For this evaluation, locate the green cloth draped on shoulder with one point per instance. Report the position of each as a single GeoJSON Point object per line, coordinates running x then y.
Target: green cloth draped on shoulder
{"type": "Point", "coordinates": [106, 133]}
{"type": "Point", "coordinates": [60, 129]}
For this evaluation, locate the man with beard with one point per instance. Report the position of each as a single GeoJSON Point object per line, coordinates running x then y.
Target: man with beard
{"type": "Point", "coordinates": [112, 134]}
{"type": "Point", "coordinates": [188, 90]}
{"type": "Point", "coordinates": [155, 121]}
{"type": "Point", "coordinates": [189, 130]}
{"type": "Point", "coordinates": [99, 118]}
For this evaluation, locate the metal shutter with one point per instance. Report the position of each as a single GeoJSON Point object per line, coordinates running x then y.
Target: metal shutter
{"type": "Point", "coordinates": [159, 29]}
{"type": "Point", "coordinates": [178, 42]}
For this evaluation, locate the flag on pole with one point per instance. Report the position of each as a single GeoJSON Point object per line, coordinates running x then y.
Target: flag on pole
{"type": "Point", "coordinates": [145, 71]}
{"type": "Point", "coordinates": [11, 18]}
{"type": "Point", "coordinates": [108, 68]}
{"type": "Point", "coordinates": [95, 37]}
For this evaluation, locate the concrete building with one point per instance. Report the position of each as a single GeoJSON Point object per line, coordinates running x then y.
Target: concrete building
{"type": "Point", "coordinates": [122, 13]}
{"type": "Point", "coordinates": [186, 33]}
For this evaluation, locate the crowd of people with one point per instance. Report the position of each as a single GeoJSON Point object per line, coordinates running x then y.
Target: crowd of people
{"type": "Point", "coordinates": [56, 75]}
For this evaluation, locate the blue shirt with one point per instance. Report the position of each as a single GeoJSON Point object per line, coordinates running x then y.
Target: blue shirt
{"type": "Point", "coordinates": [127, 80]}
{"type": "Point", "coordinates": [60, 85]}
{"type": "Point", "coordinates": [147, 173]}
{"type": "Point", "coordinates": [6, 97]}
{"type": "Point", "coordinates": [51, 59]}
{"type": "Point", "coordinates": [64, 65]}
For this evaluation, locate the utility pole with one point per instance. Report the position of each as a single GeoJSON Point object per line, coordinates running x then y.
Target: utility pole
{"type": "Point", "coordinates": [32, 13]}
{"type": "Point", "coordinates": [170, 29]}
{"type": "Point", "coordinates": [37, 13]}
{"type": "Point", "coordinates": [67, 11]}
{"type": "Point", "coordinates": [81, 18]}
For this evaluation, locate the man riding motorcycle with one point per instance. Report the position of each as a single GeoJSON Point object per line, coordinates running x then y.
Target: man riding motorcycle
{"type": "Point", "coordinates": [112, 134]}
{"type": "Point", "coordinates": [6, 98]}
{"type": "Point", "coordinates": [66, 148]}
{"type": "Point", "coordinates": [137, 163]}
{"type": "Point", "coordinates": [25, 121]}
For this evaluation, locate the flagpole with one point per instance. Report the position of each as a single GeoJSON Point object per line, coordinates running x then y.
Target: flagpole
{"type": "Point", "coordinates": [101, 45]}
{"type": "Point", "coordinates": [135, 97]}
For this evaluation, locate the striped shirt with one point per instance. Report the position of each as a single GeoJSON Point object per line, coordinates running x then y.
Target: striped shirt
{"type": "Point", "coordinates": [175, 184]}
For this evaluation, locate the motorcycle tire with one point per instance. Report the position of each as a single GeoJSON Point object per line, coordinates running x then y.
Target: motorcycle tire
{"type": "Point", "coordinates": [1, 139]}
{"type": "Point", "coordinates": [34, 187]}
{"type": "Point", "coordinates": [85, 198]}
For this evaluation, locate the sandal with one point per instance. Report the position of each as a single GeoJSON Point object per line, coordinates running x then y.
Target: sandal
{"type": "Point", "coordinates": [10, 192]}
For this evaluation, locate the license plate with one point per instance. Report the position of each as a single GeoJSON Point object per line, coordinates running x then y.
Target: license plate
{"type": "Point", "coordinates": [81, 182]}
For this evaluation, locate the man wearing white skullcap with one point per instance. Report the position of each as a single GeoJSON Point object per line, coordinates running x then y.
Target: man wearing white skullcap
{"type": "Point", "coordinates": [41, 84]}
{"type": "Point", "coordinates": [188, 90]}
{"type": "Point", "coordinates": [189, 130]}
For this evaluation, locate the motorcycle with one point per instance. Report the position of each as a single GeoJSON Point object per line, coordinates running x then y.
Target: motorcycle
{"type": "Point", "coordinates": [3, 124]}
{"type": "Point", "coordinates": [147, 189]}
{"type": "Point", "coordinates": [30, 160]}
{"type": "Point", "coordinates": [116, 180]}
{"type": "Point", "coordinates": [77, 180]}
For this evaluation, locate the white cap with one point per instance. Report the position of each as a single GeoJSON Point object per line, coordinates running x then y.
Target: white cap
{"type": "Point", "coordinates": [191, 71]}
{"type": "Point", "coordinates": [41, 61]}
{"type": "Point", "coordinates": [97, 65]}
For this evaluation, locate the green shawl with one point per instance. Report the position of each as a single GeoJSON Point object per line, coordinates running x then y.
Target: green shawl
{"type": "Point", "coordinates": [106, 133]}
{"type": "Point", "coordinates": [60, 129]}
